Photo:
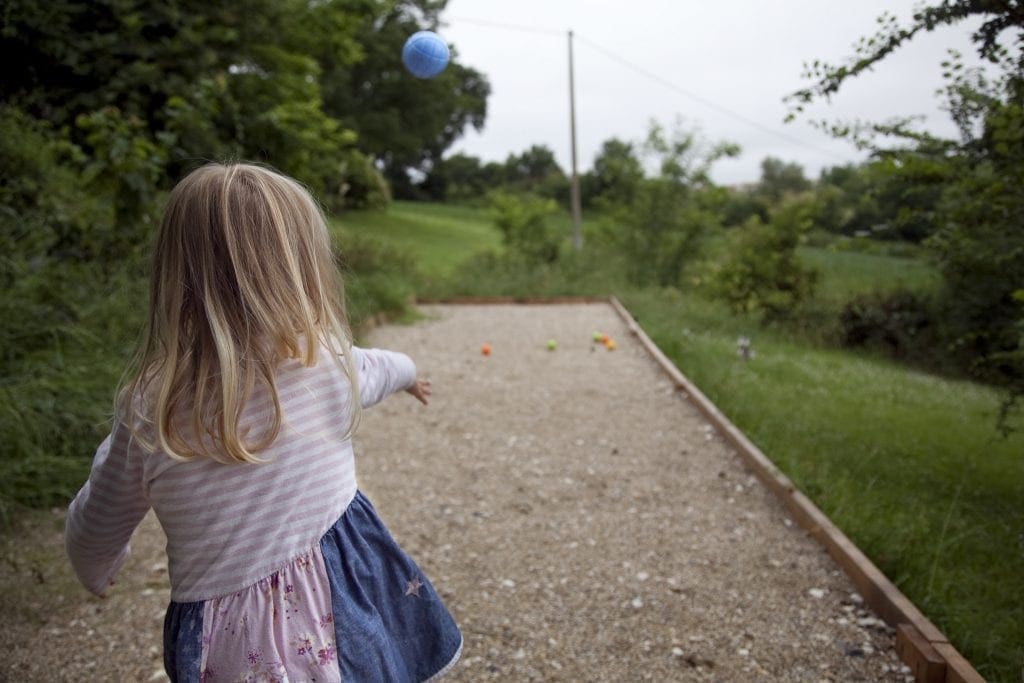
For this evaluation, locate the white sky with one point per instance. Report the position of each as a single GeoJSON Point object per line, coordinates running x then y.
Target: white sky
{"type": "Point", "coordinates": [742, 55]}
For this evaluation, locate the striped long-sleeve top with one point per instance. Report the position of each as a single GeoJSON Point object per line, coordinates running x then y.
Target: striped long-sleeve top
{"type": "Point", "coordinates": [229, 525]}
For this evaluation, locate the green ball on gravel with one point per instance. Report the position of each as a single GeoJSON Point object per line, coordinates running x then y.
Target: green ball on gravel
{"type": "Point", "coordinates": [552, 345]}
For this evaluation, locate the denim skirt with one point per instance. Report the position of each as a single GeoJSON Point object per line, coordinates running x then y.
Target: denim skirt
{"type": "Point", "coordinates": [355, 608]}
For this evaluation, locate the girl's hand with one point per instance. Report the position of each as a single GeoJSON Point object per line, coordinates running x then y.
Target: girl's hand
{"type": "Point", "coordinates": [421, 390]}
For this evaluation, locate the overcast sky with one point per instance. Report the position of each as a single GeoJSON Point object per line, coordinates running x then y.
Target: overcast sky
{"type": "Point", "coordinates": [742, 55]}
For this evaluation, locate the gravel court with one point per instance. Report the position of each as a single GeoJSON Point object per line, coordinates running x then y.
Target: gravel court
{"type": "Point", "coordinates": [583, 522]}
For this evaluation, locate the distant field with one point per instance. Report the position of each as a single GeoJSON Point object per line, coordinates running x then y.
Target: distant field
{"type": "Point", "coordinates": [847, 273]}
{"type": "Point", "coordinates": [438, 235]}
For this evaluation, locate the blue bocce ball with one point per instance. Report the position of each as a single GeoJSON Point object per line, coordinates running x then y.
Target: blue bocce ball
{"type": "Point", "coordinates": [425, 55]}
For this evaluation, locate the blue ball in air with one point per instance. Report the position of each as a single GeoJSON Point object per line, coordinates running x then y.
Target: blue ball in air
{"type": "Point", "coordinates": [425, 54]}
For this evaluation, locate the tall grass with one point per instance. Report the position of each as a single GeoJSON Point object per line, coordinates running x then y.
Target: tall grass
{"type": "Point", "coordinates": [56, 401]}
{"type": "Point", "coordinates": [844, 274]}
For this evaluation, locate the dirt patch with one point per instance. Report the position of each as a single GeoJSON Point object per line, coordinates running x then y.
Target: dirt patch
{"type": "Point", "coordinates": [54, 630]}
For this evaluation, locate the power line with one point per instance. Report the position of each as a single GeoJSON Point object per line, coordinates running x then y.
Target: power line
{"type": "Point", "coordinates": [706, 102]}
{"type": "Point", "coordinates": [510, 27]}
{"type": "Point", "coordinates": [654, 77]}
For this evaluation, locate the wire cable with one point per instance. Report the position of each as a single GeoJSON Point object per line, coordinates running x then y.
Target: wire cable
{"type": "Point", "coordinates": [652, 76]}
{"type": "Point", "coordinates": [702, 100]}
{"type": "Point", "coordinates": [510, 27]}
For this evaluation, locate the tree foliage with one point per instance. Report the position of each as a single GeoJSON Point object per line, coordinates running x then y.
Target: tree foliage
{"type": "Point", "coordinates": [616, 174]}
{"type": "Point", "coordinates": [998, 17]}
{"type": "Point", "coordinates": [404, 123]}
{"type": "Point", "coordinates": [969, 190]}
{"type": "Point", "coordinates": [888, 198]}
{"type": "Point", "coordinates": [660, 231]}
{"type": "Point", "coordinates": [779, 178]}
{"type": "Point", "coordinates": [534, 171]}
{"type": "Point", "coordinates": [105, 104]}
{"type": "Point", "coordinates": [762, 272]}
{"type": "Point", "coordinates": [526, 227]}
{"type": "Point", "coordinates": [314, 89]}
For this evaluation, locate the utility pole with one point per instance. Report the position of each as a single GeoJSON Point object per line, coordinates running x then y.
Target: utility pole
{"type": "Point", "coordinates": [577, 234]}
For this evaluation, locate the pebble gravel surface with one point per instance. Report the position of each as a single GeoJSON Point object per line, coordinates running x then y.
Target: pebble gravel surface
{"type": "Point", "coordinates": [585, 523]}
{"type": "Point", "coordinates": [579, 517]}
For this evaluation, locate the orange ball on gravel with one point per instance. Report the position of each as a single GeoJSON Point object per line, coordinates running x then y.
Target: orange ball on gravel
{"type": "Point", "coordinates": [485, 349]}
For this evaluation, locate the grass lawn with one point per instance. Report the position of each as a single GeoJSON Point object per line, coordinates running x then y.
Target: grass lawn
{"type": "Point", "coordinates": [439, 236]}
{"type": "Point", "coordinates": [844, 274]}
{"type": "Point", "coordinates": [907, 464]}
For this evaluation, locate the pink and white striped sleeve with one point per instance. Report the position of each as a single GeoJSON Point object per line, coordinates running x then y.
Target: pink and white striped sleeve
{"type": "Point", "coordinates": [382, 373]}
{"type": "Point", "coordinates": [106, 511]}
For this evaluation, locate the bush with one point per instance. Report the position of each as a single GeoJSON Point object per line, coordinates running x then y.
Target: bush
{"type": "Point", "coordinates": [661, 232]}
{"type": "Point", "coordinates": [901, 324]}
{"type": "Point", "coordinates": [526, 226]}
{"type": "Point", "coordinates": [379, 278]}
{"type": "Point", "coordinates": [762, 272]}
{"type": "Point", "coordinates": [362, 185]}
{"type": "Point", "coordinates": [70, 306]}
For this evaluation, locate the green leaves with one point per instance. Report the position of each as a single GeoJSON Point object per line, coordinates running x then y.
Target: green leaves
{"type": "Point", "coordinates": [965, 193]}
{"type": "Point", "coordinates": [526, 228]}
{"type": "Point", "coordinates": [762, 272]}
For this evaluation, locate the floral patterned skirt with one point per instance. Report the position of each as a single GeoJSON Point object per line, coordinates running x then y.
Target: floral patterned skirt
{"type": "Point", "coordinates": [353, 608]}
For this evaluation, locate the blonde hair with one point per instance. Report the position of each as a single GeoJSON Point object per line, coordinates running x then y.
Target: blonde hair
{"type": "Point", "coordinates": [243, 277]}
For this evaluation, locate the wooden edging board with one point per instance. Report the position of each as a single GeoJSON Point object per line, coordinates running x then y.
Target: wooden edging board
{"type": "Point", "coordinates": [922, 646]}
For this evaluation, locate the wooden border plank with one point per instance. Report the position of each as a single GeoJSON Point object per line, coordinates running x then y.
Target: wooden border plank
{"type": "Point", "coordinates": [924, 660]}
{"type": "Point", "coordinates": [958, 669]}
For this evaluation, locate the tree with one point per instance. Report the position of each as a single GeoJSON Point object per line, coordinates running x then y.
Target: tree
{"type": "Point", "coordinates": [888, 198]}
{"type": "Point", "coordinates": [457, 177]}
{"type": "Point", "coordinates": [660, 231]}
{"type": "Point", "coordinates": [762, 272]}
{"type": "Point", "coordinates": [526, 228]}
{"type": "Point", "coordinates": [779, 178]}
{"type": "Point", "coordinates": [193, 80]}
{"type": "Point", "coordinates": [616, 174]}
{"type": "Point", "coordinates": [977, 241]}
{"type": "Point", "coordinates": [536, 171]}
{"type": "Point", "coordinates": [403, 122]}
{"type": "Point", "coordinates": [999, 15]}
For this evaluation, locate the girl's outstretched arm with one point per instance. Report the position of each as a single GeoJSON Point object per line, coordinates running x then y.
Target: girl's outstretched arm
{"type": "Point", "coordinates": [106, 511]}
{"type": "Point", "coordinates": [382, 373]}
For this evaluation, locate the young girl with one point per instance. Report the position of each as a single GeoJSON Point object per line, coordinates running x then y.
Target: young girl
{"type": "Point", "coordinates": [235, 426]}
